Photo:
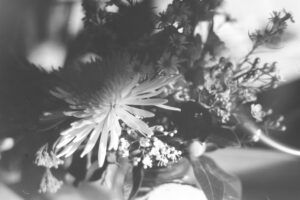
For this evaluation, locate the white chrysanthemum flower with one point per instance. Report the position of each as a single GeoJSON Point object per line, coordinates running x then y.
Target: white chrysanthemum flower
{"type": "Point", "coordinates": [100, 113]}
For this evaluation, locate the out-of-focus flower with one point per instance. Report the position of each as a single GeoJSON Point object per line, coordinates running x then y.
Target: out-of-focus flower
{"type": "Point", "coordinates": [147, 162]}
{"type": "Point", "coordinates": [169, 63]}
{"type": "Point", "coordinates": [100, 114]}
{"type": "Point", "coordinates": [49, 183]}
{"type": "Point", "coordinates": [6, 144]}
{"type": "Point", "coordinates": [123, 147]}
{"type": "Point", "coordinates": [257, 112]}
{"type": "Point", "coordinates": [145, 142]}
{"type": "Point", "coordinates": [47, 159]}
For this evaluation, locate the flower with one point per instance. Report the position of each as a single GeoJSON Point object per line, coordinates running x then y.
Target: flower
{"type": "Point", "coordinates": [123, 147]}
{"type": "Point", "coordinates": [147, 162]}
{"type": "Point", "coordinates": [145, 142]}
{"type": "Point", "coordinates": [99, 114]}
{"type": "Point", "coordinates": [49, 183]}
{"type": "Point", "coordinates": [46, 159]}
{"type": "Point", "coordinates": [257, 112]}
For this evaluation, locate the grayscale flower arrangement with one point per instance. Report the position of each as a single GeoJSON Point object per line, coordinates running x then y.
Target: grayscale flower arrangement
{"type": "Point", "coordinates": [143, 95]}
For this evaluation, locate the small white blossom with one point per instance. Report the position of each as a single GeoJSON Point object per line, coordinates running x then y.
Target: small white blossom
{"type": "Point", "coordinates": [145, 142]}
{"type": "Point", "coordinates": [257, 112]}
{"type": "Point", "coordinates": [123, 147]}
{"type": "Point", "coordinates": [163, 161]}
{"type": "Point", "coordinates": [147, 162]}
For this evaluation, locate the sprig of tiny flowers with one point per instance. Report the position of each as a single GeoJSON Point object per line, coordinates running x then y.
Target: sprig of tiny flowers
{"type": "Point", "coordinates": [151, 152]}
{"type": "Point", "coordinates": [48, 160]}
{"type": "Point", "coordinates": [266, 118]}
{"type": "Point", "coordinates": [227, 86]}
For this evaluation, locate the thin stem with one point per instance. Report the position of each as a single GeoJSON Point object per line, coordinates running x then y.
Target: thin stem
{"type": "Point", "coordinates": [254, 47]}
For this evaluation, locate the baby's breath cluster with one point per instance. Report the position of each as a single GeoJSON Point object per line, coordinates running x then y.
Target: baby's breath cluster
{"type": "Point", "coordinates": [149, 151]}
{"type": "Point", "coordinates": [159, 154]}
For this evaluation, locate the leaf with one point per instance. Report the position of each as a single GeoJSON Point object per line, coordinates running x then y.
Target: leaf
{"type": "Point", "coordinates": [223, 137]}
{"type": "Point", "coordinates": [133, 181]}
{"type": "Point", "coordinates": [215, 183]}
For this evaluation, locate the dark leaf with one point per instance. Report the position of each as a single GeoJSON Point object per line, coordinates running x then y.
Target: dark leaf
{"type": "Point", "coordinates": [94, 173]}
{"type": "Point", "coordinates": [216, 184]}
{"type": "Point", "coordinates": [194, 121]}
{"type": "Point", "coordinates": [223, 137]}
{"type": "Point", "coordinates": [133, 181]}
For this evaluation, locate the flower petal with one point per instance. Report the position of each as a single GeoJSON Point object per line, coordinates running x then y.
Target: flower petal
{"type": "Point", "coordinates": [64, 140]}
{"type": "Point", "coordinates": [83, 134]}
{"type": "Point", "coordinates": [146, 95]}
{"type": "Point", "coordinates": [92, 139]}
{"type": "Point", "coordinates": [154, 84]}
{"type": "Point", "coordinates": [103, 142]}
{"type": "Point", "coordinates": [74, 129]}
{"type": "Point", "coordinates": [134, 122]}
{"type": "Point", "coordinates": [168, 107]}
{"type": "Point", "coordinates": [73, 148]}
{"type": "Point", "coordinates": [78, 114]}
{"type": "Point", "coordinates": [138, 112]}
{"type": "Point", "coordinates": [146, 102]}
{"type": "Point", "coordinates": [70, 149]}
{"type": "Point", "coordinates": [114, 135]}
{"type": "Point", "coordinates": [149, 85]}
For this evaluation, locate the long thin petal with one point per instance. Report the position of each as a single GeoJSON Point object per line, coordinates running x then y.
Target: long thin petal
{"type": "Point", "coordinates": [154, 84]}
{"type": "Point", "coordinates": [145, 86]}
{"type": "Point", "coordinates": [92, 139]}
{"type": "Point", "coordinates": [83, 134]}
{"type": "Point", "coordinates": [103, 142]}
{"type": "Point", "coordinates": [139, 112]}
{"type": "Point", "coordinates": [146, 95]}
{"type": "Point", "coordinates": [74, 130]}
{"type": "Point", "coordinates": [146, 102]}
{"type": "Point", "coordinates": [81, 123]}
{"type": "Point", "coordinates": [73, 148]}
{"type": "Point", "coordinates": [114, 136]}
{"type": "Point", "coordinates": [70, 149]}
{"type": "Point", "coordinates": [64, 140]}
{"type": "Point", "coordinates": [78, 114]}
{"type": "Point", "coordinates": [64, 151]}
{"type": "Point", "coordinates": [168, 107]}
{"type": "Point", "coordinates": [134, 122]}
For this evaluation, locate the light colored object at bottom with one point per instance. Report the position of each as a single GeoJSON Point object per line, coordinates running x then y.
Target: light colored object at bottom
{"type": "Point", "coordinates": [176, 192]}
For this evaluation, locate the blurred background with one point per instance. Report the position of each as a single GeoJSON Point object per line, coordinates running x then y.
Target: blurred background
{"type": "Point", "coordinates": [44, 31]}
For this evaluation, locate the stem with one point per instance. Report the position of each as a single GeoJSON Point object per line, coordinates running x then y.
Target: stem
{"type": "Point", "coordinates": [256, 132]}
{"type": "Point", "coordinates": [275, 144]}
{"type": "Point", "coordinates": [248, 55]}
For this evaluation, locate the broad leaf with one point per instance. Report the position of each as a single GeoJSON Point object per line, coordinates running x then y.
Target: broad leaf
{"type": "Point", "coordinates": [223, 137]}
{"type": "Point", "coordinates": [133, 180]}
{"type": "Point", "coordinates": [216, 184]}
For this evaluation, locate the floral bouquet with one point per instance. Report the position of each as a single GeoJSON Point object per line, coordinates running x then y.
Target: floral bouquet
{"type": "Point", "coordinates": [144, 95]}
